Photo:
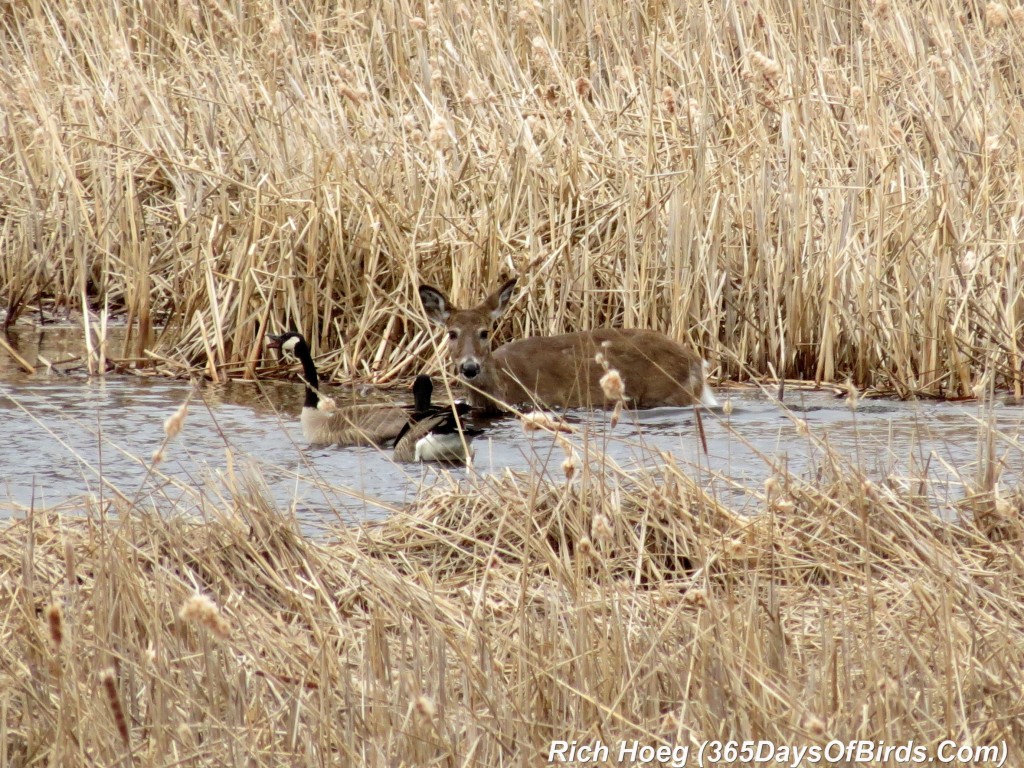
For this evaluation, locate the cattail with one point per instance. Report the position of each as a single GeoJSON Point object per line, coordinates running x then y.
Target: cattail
{"type": "Point", "coordinates": [852, 396]}
{"type": "Point", "coordinates": [768, 68]}
{"type": "Point", "coordinates": [585, 546]}
{"type": "Point", "coordinates": [992, 144]}
{"type": "Point", "coordinates": [55, 620]}
{"type": "Point", "coordinates": [616, 414]}
{"type": "Point", "coordinates": [275, 32]}
{"type": "Point", "coordinates": [668, 97]}
{"type": "Point", "coordinates": [569, 465]}
{"type": "Point", "coordinates": [996, 15]}
{"type": "Point", "coordinates": [158, 456]}
{"type": "Point", "coordinates": [1017, 14]}
{"type": "Point", "coordinates": [174, 422]}
{"type": "Point", "coordinates": [353, 94]}
{"type": "Point", "coordinates": [698, 598]}
{"type": "Point", "coordinates": [107, 679]}
{"type": "Point", "coordinates": [327, 405]}
{"type": "Point", "coordinates": [583, 87]}
{"type": "Point", "coordinates": [601, 528]}
{"type": "Point", "coordinates": [203, 610]}
{"type": "Point", "coordinates": [814, 725]}
{"type": "Point", "coordinates": [784, 505]}
{"type": "Point", "coordinates": [70, 571]}
{"type": "Point", "coordinates": [539, 420]}
{"type": "Point", "coordinates": [424, 708]}
{"type": "Point", "coordinates": [418, 22]}
{"type": "Point", "coordinates": [439, 139]}
{"type": "Point", "coordinates": [727, 407]}
{"type": "Point", "coordinates": [693, 111]}
{"type": "Point", "coordinates": [613, 386]}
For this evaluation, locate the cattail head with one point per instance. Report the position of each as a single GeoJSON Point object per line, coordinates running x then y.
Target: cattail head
{"type": "Point", "coordinates": [539, 420]}
{"type": "Point", "coordinates": [668, 98]}
{"type": "Point", "coordinates": [996, 15]}
{"type": "Point", "coordinates": [55, 621]}
{"type": "Point", "coordinates": [569, 465]}
{"type": "Point", "coordinates": [616, 414]}
{"type": "Point", "coordinates": [601, 528]}
{"type": "Point", "coordinates": [327, 405]}
{"type": "Point", "coordinates": [69, 564]}
{"type": "Point", "coordinates": [698, 598]}
{"type": "Point", "coordinates": [439, 139]}
{"type": "Point", "coordinates": [353, 94]}
{"type": "Point", "coordinates": [784, 505]}
{"type": "Point", "coordinates": [424, 708]}
{"type": "Point", "coordinates": [613, 386]}
{"type": "Point", "coordinates": [174, 422]}
{"type": "Point", "coordinates": [766, 67]}
{"type": "Point", "coordinates": [108, 680]}
{"type": "Point", "coordinates": [852, 395]}
{"type": "Point", "coordinates": [727, 407]}
{"type": "Point", "coordinates": [585, 546]}
{"type": "Point", "coordinates": [814, 725]}
{"type": "Point", "coordinates": [202, 610]}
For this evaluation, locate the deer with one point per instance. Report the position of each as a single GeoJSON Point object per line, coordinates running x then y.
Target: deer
{"type": "Point", "coordinates": [565, 370]}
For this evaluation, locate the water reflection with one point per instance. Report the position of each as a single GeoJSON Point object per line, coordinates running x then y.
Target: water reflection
{"type": "Point", "coordinates": [68, 437]}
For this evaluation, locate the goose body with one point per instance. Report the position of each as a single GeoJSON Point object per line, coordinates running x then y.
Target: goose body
{"type": "Point", "coordinates": [433, 433]}
{"type": "Point", "coordinates": [324, 423]}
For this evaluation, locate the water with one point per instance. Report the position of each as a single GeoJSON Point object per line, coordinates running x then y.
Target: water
{"type": "Point", "coordinates": [67, 439]}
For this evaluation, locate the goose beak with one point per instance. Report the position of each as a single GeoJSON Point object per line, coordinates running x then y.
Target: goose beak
{"type": "Point", "coordinates": [273, 342]}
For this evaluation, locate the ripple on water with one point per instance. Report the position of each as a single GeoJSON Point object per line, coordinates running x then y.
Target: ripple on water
{"type": "Point", "coordinates": [60, 432]}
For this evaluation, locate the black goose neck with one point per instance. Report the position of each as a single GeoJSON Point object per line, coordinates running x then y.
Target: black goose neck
{"type": "Point", "coordinates": [309, 374]}
{"type": "Point", "coordinates": [422, 390]}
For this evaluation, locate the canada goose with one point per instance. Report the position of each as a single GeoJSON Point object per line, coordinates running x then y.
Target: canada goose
{"type": "Point", "coordinates": [324, 423]}
{"type": "Point", "coordinates": [433, 433]}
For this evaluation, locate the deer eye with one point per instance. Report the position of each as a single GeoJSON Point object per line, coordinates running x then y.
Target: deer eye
{"type": "Point", "coordinates": [453, 334]}
{"type": "Point", "coordinates": [484, 333]}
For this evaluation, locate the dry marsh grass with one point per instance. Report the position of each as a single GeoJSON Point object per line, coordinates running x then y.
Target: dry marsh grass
{"type": "Point", "coordinates": [801, 189]}
{"type": "Point", "coordinates": [481, 623]}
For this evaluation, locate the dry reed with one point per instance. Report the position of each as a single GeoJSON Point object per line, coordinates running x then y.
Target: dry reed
{"type": "Point", "coordinates": [483, 622]}
{"type": "Point", "coordinates": [800, 189]}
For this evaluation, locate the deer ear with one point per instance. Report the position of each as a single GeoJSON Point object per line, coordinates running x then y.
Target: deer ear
{"type": "Point", "coordinates": [435, 304]}
{"type": "Point", "coordinates": [498, 301]}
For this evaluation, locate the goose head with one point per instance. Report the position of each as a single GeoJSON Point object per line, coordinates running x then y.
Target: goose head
{"type": "Point", "coordinates": [291, 344]}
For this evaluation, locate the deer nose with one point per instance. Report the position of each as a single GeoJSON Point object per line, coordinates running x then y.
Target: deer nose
{"type": "Point", "coordinates": [470, 369]}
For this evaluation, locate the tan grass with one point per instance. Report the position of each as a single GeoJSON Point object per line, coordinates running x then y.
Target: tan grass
{"type": "Point", "coordinates": [803, 190]}
{"type": "Point", "coordinates": [481, 623]}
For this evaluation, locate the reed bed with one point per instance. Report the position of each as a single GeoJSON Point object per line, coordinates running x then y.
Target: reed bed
{"type": "Point", "coordinates": [488, 619]}
{"type": "Point", "coordinates": [802, 190]}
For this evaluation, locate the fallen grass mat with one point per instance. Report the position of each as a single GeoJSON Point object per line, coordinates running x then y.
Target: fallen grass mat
{"type": "Point", "coordinates": [485, 622]}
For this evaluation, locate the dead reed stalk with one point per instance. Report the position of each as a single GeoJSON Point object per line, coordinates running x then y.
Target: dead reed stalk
{"type": "Point", "coordinates": [823, 193]}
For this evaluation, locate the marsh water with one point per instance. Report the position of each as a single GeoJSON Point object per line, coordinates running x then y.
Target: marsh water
{"type": "Point", "coordinates": [70, 440]}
